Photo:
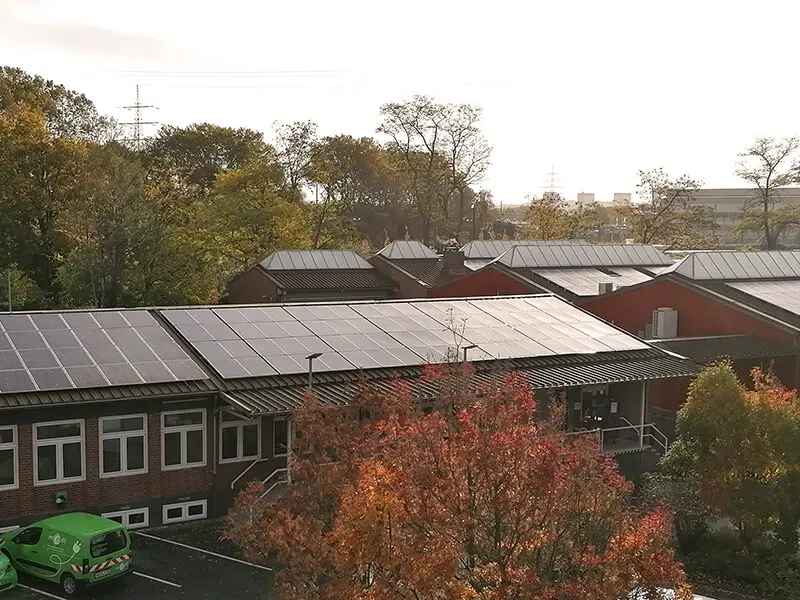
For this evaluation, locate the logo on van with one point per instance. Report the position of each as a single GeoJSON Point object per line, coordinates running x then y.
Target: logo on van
{"type": "Point", "coordinates": [58, 539]}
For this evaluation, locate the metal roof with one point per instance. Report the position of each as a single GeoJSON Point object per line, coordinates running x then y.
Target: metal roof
{"type": "Point", "coordinates": [267, 341]}
{"type": "Point", "coordinates": [540, 376]}
{"type": "Point", "coordinates": [713, 348]}
{"type": "Point", "coordinates": [304, 260]}
{"type": "Point", "coordinates": [767, 264]}
{"type": "Point", "coordinates": [108, 394]}
{"type": "Point", "coordinates": [333, 279]}
{"type": "Point", "coordinates": [783, 294]}
{"type": "Point", "coordinates": [406, 249]}
{"type": "Point", "coordinates": [583, 255]}
{"type": "Point", "coordinates": [586, 282]}
{"type": "Point", "coordinates": [494, 248]}
{"type": "Point", "coordinates": [432, 272]}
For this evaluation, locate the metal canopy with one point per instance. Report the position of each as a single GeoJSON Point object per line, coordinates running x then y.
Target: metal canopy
{"type": "Point", "coordinates": [583, 255]}
{"type": "Point", "coordinates": [406, 249]}
{"type": "Point", "coordinates": [241, 342]}
{"type": "Point", "coordinates": [88, 349]}
{"type": "Point", "coordinates": [767, 264]}
{"type": "Point", "coordinates": [488, 249]}
{"type": "Point", "coordinates": [299, 260]}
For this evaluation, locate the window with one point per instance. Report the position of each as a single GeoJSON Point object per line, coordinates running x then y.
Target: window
{"type": "Point", "coordinates": [108, 543]}
{"type": "Point", "coordinates": [58, 452]}
{"type": "Point", "coordinates": [28, 537]}
{"type": "Point", "coordinates": [183, 439]}
{"type": "Point", "coordinates": [123, 445]}
{"type": "Point", "coordinates": [280, 437]}
{"type": "Point", "coordinates": [135, 518]}
{"type": "Point", "coordinates": [8, 458]}
{"type": "Point", "coordinates": [240, 439]}
{"type": "Point", "coordinates": [184, 511]}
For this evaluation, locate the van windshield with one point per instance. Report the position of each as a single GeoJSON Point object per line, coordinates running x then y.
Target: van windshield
{"type": "Point", "coordinates": [108, 543]}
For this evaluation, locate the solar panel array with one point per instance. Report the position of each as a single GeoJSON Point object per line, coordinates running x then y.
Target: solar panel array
{"type": "Point", "coordinates": [59, 351]}
{"type": "Point", "coordinates": [784, 294]}
{"type": "Point", "coordinates": [774, 264]}
{"type": "Point", "coordinates": [586, 282]}
{"type": "Point", "coordinates": [262, 341]}
{"type": "Point", "coordinates": [583, 255]}
{"type": "Point", "coordinates": [301, 260]}
{"type": "Point", "coordinates": [494, 248]}
{"type": "Point", "coordinates": [407, 249]}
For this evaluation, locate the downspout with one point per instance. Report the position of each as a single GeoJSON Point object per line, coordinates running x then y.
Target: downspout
{"type": "Point", "coordinates": [643, 414]}
{"type": "Point", "coordinates": [214, 417]}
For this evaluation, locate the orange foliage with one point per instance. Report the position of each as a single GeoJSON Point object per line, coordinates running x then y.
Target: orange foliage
{"type": "Point", "coordinates": [474, 501]}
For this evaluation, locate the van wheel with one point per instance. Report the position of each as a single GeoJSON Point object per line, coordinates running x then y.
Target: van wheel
{"type": "Point", "coordinates": [68, 584]}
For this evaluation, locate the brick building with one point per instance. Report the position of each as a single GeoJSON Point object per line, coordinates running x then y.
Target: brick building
{"type": "Point", "coordinates": [162, 415]}
{"type": "Point", "coordinates": [741, 305]}
{"type": "Point", "coordinates": [310, 276]}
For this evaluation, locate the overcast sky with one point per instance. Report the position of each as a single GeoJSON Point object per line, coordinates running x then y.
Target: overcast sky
{"type": "Point", "coordinates": [596, 90]}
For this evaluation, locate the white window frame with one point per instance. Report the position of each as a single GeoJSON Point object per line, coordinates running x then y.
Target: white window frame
{"type": "Point", "coordinates": [14, 447]}
{"type": "Point", "coordinates": [288, 420]}
{"type": "Point", "coordinates": [59, 444]}
{"type": "Point", "coordinates": [239, 425]}
{"type": "Point", "coordinates": [126, 514]}
{"type": "Point", "coordinates": [122, 436]}
{"type": "Point", "coordinates": [183, 430]}
{"type": "Point", "coordinates": [185, 516]}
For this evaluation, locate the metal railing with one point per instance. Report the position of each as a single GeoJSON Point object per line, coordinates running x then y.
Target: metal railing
{"type": "Point", "coordinates": [250, 466]}
{"type": "Point", "coordinates": [646, 435]}
{"type": "Point", "coordinates": [275, 473]}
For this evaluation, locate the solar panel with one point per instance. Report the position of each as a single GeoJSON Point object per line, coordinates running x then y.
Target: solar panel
{"type": "Point", "coordinates": [56, 351]}
{"type": "Point", "coordinates": [783, 294]}
{"type": "Point", "coordinates": [585, 282]}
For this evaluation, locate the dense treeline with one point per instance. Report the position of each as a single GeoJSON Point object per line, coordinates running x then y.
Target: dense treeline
{"type": "Point", "coordinates": [87, 219]}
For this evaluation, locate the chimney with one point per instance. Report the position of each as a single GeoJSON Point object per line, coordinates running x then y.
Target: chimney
{"type": "Point", "coordinates": [453, 261]}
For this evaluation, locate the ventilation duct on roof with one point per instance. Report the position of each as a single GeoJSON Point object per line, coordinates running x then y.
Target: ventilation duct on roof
{"type": "Point", "coordinates": [605, 287]}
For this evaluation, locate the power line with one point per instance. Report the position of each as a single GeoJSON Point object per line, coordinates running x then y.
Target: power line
{"type": "Point", "coordinates": [138, 123]}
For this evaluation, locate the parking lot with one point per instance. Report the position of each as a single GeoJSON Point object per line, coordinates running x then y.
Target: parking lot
{"type": "Point", "coordinates": [175, 562]}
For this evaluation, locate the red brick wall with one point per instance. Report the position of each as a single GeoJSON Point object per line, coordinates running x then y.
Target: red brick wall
{"type": "Point", "coordinates": [407, 287]}
{"type": "Point", "coordinates": [95, 493]}
{"type": "Point", "coordinates": [486, 282]}
{"type": "Point", "coordinates": [698, 315]}
{"type": "Point", "coordinates": [252, 287]}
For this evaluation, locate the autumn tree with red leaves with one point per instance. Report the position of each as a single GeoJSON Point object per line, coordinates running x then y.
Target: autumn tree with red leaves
{"type": "Point", "coordinates": [473, 500]}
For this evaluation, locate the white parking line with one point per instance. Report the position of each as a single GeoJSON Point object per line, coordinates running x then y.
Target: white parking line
{"type": "Point", "coordinates": [164, 581]}
{"type": "Point", "coordinates": [42, 592]}
{"type": "Point", "coordinates": [203, 550]}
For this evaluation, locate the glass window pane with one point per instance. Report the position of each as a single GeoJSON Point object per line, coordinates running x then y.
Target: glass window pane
{"type": "Point", "coordinates": [133, 424]}
{"type": "Point", "coordinates": [172, 449]}
{"type": "Point", "coordinates": [135, 452]}
{"type": "Point", "coordinates": [185, 418]}
{"type": "Point", "coordinates": [112, 458]}
{"type": "Point", "coordinates": [281, 437]}
{"type": "Point", "coordinates": [194, 447]}
{"type": "Point", "coordinates": [230, 443]}
{"type": "Point", "coordinates": [117, 518]}
{"type": "Point", "coordinates": [6, 436]}
{"type": "Point", "coordinates": [47, 462]}
{"type": "Point", "coordinates": [6, 467]}
{"type": "Point", "coordinates": [73, 462]}
{"type": "Point", "coordinates": [175, 512]}
{"type": "Point", "coordinates": [250, 440]}
{"type": "Point", "coordinates": [112, 425]}
{"type": "Point", "coordinates": [136, 518]}
{"type": "Point", "coordinates": [195, 510]}
{"type": "Point", "coordinates": [47, 432]}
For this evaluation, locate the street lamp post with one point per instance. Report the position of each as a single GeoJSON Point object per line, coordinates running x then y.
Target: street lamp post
{"type": "Point", "coordinates": [310, 358]}
{"type": "Point", "coordinates": [466, 348]}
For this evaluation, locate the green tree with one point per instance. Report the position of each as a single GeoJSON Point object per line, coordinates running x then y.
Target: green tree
{"type": "Point", "coordinates": [667, 213]}
{"type": "Point", "coordinates": [550, 218]}
{"type": "Point", "coordinates": [769, 165]}
{"type": "Point", "coordinates": [296, 144]}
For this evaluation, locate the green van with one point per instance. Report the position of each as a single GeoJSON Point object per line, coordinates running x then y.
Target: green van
{"type": "Point", "coordinates": [73, 550]}
{"type": "Point", "coordinates": [8, 576]}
